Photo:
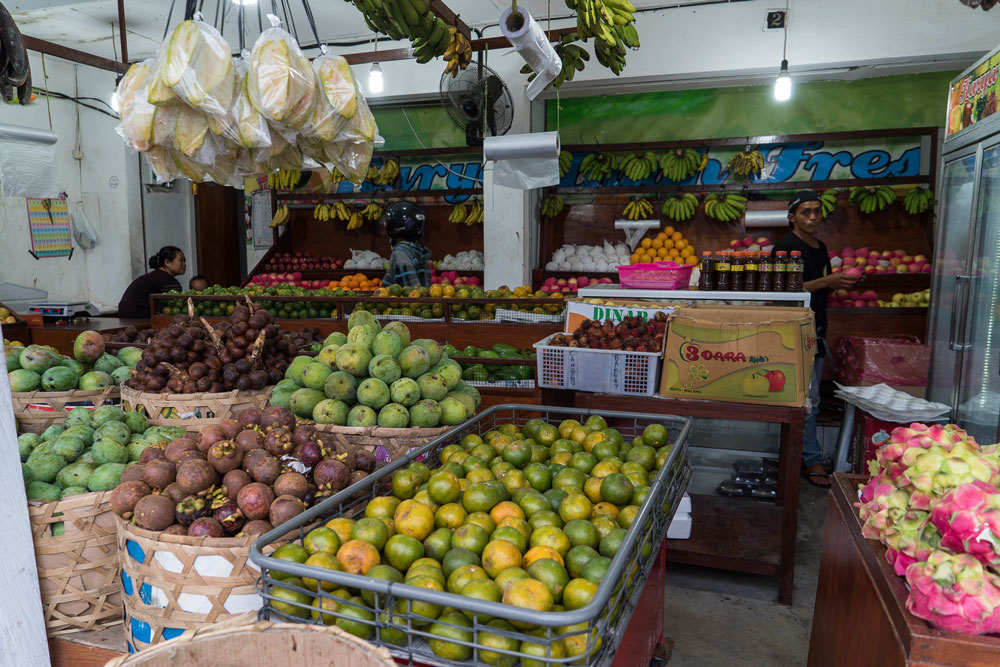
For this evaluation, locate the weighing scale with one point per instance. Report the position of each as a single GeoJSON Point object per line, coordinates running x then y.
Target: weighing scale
{"type": "Point", "coordinates": [64, 310]}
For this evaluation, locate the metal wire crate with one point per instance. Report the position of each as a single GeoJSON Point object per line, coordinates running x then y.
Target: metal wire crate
{"type": "Point", "coordinates": [397, 612]}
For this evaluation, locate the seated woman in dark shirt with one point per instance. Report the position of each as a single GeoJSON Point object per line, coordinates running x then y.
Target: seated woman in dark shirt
{"type": "Point", "coordinates": [166, 264]}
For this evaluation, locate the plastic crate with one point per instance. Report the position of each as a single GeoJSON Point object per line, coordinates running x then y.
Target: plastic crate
{"type": "Point", "coordinates": [601, 624]}
{"type": "Point", "coordinates": [657, 275]}
{"type": "Point", "coordinates": [603, 371]}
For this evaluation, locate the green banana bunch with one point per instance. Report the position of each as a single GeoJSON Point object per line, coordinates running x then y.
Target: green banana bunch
{"type": "Point", "coordinates": [918, 200]}
{"type": "Point", "coordinates": [459, 213]}
{"type": "Point", "coordinates": [725, 207]}
{"type": "Point", "coordinates": [565, 162]}
{"type": "Point", "coordinates": [680, 207]}
{"type": "Point", "coordinates": [407, 19]}
{"type": "Point", "coordinates": [679, 164]}
{"type": "Point", "coordinates": [598, 166]}
{"type": "Point", "coordinates": [871, 198]}
{"type": "Point", "coordinates": [552, 206]}
{"type": "Point", "coordinates": [638, 209]}
{"type": "Point", "coordinates": [388, 173]}
{"type": "Point", "coordinates": [574, 58]}
{"type": "Point", "coordinates": [746, 164]}
{"type": "Point", "coordinates": [639, 166]}
{"type": "Point", "coordinates": [828, 200]}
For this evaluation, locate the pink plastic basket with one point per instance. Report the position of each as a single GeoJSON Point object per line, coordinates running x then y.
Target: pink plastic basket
{"type": "Point", "coordinates": [658, 275]}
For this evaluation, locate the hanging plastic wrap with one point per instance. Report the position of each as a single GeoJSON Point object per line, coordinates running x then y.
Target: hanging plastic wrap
{"type": "Point", "coordinates": [351, 151]}
{"type": "Point", "coordinates": [197, 65]}
{"type": "Point", "coordinates": [242, 126]}
{"type": "Point", "coordinates": [281, 81]}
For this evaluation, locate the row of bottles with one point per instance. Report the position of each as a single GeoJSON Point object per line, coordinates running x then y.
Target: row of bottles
{"type": "Point", "coordinates": [749, 271]}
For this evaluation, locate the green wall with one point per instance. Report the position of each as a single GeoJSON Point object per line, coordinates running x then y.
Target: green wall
{"type": "Point", "coordinates": [432, 124]}
{"type": "Point", "coordinates": [824, 106]}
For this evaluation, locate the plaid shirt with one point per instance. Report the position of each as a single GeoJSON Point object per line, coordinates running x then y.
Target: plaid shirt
{"type": "Point", "coordinates": [409, 265]}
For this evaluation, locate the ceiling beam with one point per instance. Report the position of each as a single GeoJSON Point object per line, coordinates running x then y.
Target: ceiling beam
{"type": "Point", "coordinates": [450, 17]}
{"type": "Point", "coordinates": [491, 43]}
{"type": "Point", "coordinates": [121, 30]}
{"type": "Point", "coordinates": [73, 55]}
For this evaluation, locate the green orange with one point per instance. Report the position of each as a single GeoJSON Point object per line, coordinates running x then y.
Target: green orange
{"type": "Point", "coordinates": [550, 536]}
{"type": "Point", "coordinates": [371, 530]}
{"type": "Point", "coordinates": [456, 558]}
{"type": "Point", "coordinates": [552, 574]}
{"type": "Point", "coordinates": [578, 557]}
{"type": "Point", "coordinates": [462, 575]}
{"type": "Point", "coordinates": [528, 594]}
{"type": "Point", "coordinates": [582, 532]}
{"type": "Point", "coordinates": [382, 507]}
{"type": "Point", "coordinates": [578, 593]}
{"type": "Point", "coordinates": [481, 589]}
{"type": "Point", "coordinates": [324, 560]}
{"type": "Point", "coordinates": [402, 551]}
{"type": "Point", "coordinates": [575, 506]}
{"type": "Point", "coordinates": [451, 515]}
{"type": "Point", "coordinates": [595, 569]}
{"type": "Point", "coordinates": [443, 487]}
{"type": "Point", "coordinates": [321, 539]}
{"type": "Point", "coordinates": [498, 555]}
{"type": "Point", "coordinates": [512, 535]}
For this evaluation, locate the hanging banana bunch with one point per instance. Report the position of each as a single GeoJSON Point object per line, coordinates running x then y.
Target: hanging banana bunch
{"type": "Point", "coordinates": [639, 166]}
{"type": "Point", "coordinates": [746, 164]}
{"type": "Point", "coordinates": [458, 55]}
{"type": "Point", "coordinates": [459, 212]}
{"type": "Point", "coordinates": [322, 212]}
{"type": "Point", "coordinates": [280, 218]}
{"type": "Point", "coordinates": [680, 164]}
{"type": "Point", "coordinates": [552, 206]}
{"type": "Point", "coordinates": [372, 211]}
{"type": "Point", "coordinates": [598, 166]}
{"type": "Point", "coordinates": [918, 200]}
{"type": "Point", "coordinates": [407, 19]}
{"type": "Point", "coordinates": [871, 198]}
{"type": "Point", "coordinates": [283, 179]}
{"type": "Point", "coordinates": [565, 162]}
{"type": "Point", "coordinates": [680, 207]}
{"type": "Point", "coordinates": [389, 172]}
{"type": "Point", "coordinates": [573, 57]}
{"type": "Point", "coordinates": [341, 212]}
{"type": "Point", "coordinates": [828, 201]}
{"type": "Point", "coordinates": [611, 23]}
{"type": "Point", "coordinates": [638, 208]}
{"type": "Point", "coordinates": [725, 207]}
{"type": "Point", "coordinates": [476, 214]}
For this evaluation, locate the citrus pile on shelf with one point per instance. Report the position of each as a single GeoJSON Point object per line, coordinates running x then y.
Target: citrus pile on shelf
{"type": "Point", "coordinates": [474, 311]}
{"type": "Point", "coordinates": [280, 309]}
{"type": "Point", "coordinates": [358, 282]}
{"type": "Point", "coordinates": [528, 517]}
{"type": "Point", "coordinates": [667, 246]}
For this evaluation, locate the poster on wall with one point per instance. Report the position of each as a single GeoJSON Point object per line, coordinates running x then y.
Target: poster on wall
{"type": "Point", "coordinates": [48, 223]}
{"type": "Point", "coordinates": [260, 218]}
{"type": "Point", "coordinates": [973, 95]}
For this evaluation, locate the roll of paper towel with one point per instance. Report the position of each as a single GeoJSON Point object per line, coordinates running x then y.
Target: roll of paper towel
{"type": "Point", "coordinates": [530, 41]}
{"type": "Point", "coordinates": [524, 161]}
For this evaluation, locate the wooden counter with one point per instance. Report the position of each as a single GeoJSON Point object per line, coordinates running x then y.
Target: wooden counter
{"type": "Point", "coordinates": [860, 616]}
{"type": "Point", "coordinates": [61, 335]}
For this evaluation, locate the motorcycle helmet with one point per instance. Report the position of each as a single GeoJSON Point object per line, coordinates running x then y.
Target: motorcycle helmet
{"type": "Point", "coordinates": [404, 219]}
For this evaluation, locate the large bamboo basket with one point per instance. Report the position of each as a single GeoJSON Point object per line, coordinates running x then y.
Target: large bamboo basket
{"type": "Point", "coordinates": [388, 444]}
{"type": "Point", "coordinates": [77, 557]}
{"type": "Point", "coordinates": [192, 411]}
{"type": "Point", "coordinates": [35, 411]}
{"type": "Point", "coordinates": [245, 641]}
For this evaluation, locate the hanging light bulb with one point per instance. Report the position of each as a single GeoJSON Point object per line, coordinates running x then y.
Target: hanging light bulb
{"type": "Point", "coordinates": [375, 83]}
{"type": "Point", "coordinates": [115, 102]}
{"type": "Point", "coordinates": [783, 84]}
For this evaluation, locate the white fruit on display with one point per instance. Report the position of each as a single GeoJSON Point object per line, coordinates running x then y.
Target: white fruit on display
{"type": "Point", "coordinates": [365, 259]}
{"type": "Point", "coordinates": [589, 258]}
{"type": "Point", "coordinates": [467, 260]}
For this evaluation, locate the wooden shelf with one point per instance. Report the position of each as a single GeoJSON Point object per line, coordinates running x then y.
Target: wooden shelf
{"type": "Point", "coordinates": [877, 312]}
{"type": "Point", "coordinates": [898, 281]}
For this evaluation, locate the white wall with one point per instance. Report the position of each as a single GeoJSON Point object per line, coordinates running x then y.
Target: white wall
{"type": "Point", "coordinates": [104, 184]}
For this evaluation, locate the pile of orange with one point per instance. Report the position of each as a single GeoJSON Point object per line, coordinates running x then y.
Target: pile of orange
{"type": "Point", "coordinates": [669, 245]}
{"type": "Point", "coordinates": [357, 282]}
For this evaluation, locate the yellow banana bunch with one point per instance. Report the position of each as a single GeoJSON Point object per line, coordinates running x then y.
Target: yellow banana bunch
{"type": "Point", "coordinates": [552, 206]}
{"type": "Point", "coordinates": [918, 200]}
{"type": "Point", "coordinates": [725, 207]}
{"type": "Point", "coordinates": [283, 179]}
{"type": "Point", "coordinates": [680, 207]}
{"type": "Point", "coordinates": [459, 213]}
{"type": "Point", "coordinates": [372, 212]}
{"type": "Point", "coordinates": [565, 162]}
{"type": "Point", "coordinates": [638, 209]}
{"type": "Point", "coordinates": [322, 212]}
{"type": "Point", "coordinates": [747, 163]}
{"type": "Point", "coordinates": [373, 174]}
{"type": "Point", "coordinates": [341, 212]}
{"type": "Point", "coordinates": [598, 166]}
{"type": "Point", "coordinates": [356, 220]}
{"type": "Point", "coordinates": [679, 164]}
{"type": "Point", "coordinates": [458, 55]}
{"type": "Point", "coordinates": [280, 218]}
{"type": "Point", "coordinates": [828, 200]}
{"type": "Point", "coordinates": [476, 213]}
{"type": "Point", "coordinates": [389, 172]}
{"type": "Point", "coordinates": [639, 166]}
{"type": "Point", "coordinates": [871, 198]}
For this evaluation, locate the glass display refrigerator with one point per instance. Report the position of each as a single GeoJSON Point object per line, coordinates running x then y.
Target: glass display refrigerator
{"type": "Point", "coordinates": [964, 331]}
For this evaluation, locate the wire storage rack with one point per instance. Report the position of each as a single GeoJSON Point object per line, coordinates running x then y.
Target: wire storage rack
{"type": "Point", "coordinates": [400, 616]}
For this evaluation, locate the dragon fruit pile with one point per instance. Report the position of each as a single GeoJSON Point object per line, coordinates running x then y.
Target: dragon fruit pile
{"type": "Point", "coordinates": [933, 502]}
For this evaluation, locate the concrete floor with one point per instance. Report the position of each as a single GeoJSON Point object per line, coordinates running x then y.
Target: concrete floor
{"type": "Point", "coordinates": [718, 619]}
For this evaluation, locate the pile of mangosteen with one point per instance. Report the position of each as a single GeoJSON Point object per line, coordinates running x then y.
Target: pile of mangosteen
{"type": "Point", "coordinates": [240, 477]}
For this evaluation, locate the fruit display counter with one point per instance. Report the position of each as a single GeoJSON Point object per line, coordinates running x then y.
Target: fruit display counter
{"type": "Point", "coordinates": [61, 335]}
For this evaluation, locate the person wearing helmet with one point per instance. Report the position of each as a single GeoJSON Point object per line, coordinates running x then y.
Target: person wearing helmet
{"type": "Point", "coordinates": [410, 260]}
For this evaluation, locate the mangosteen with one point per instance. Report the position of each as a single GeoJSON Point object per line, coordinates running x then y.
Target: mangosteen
{"type": "Point", "coordinates": [231, 427]}
{"type": "Point", "coordinates": [243, 366]}
{"type": "Point", "coordinates": [275, 416]}
{"type": "Point", "coordinates": [151, 453]}
{"type": "Point", "coordinates": [196, 476]}
{"type": "Point", "coordinates": [310, 454]}
{"type": "Point", "coordinates": [331, 475]}
{"type": "Point", "coordinates": [204, 384]}
{"type": "Point", "coordinates": [174, 492]}
{"type": "Point", "coordinates": [274, 376]}
{"type": "Point", "coordinates": [348, 458]}
{"type": "Point", "coordinates": [258, 379]}
{"type": "Point", "coordinates": [189, 509]}
{"type": "Point", "coordinates": [254, 500]}
{"type": "Point", "coordinates": [175, 529]}
{"type": "Point", "coordinates": [256, 527]}
{"type": "Point", "coordinates": [211, 435]}
{"type": "Point", "coordinates": [249, 438]}
{"type": "Point", "coordinates": [206, 526]}
{"type": "Point", "coordinates": [356, 477]}
{"type": "Point", "coordinates": [234, 480]}
{"type": "Point", "coordinates": [132, 472]}
{"type": "Point", "coordinates": [176, 447]}
{"type": "Point", "coordinates": [240, 314]}
{"type": "Point", "coordinates": [261, 467]}
{"type": "Point", "coordinates": [153, 512]}
{"type": "Point", "coordinates": [249, 417]}
{"type": "Point", "coordinates": [304, 433]}
{"type": "Point", "coordinates": [190, 455]}
{"type": "Point", "coordinates": [158, 474]}
{"type": "Point", "coordinates": [364, 460]}
{"type": "Point", "coordinates": [230, 516]}
{"type": "Point", "coordinates": [242, 383]}
{"type": "Point", "coordinates": [225, 455]}
{"type": "Point", "coordinates": [278, 441]}
{"type": "Point", "coordinates": [126, 495]}
{"type": "Point", "coordinates": [291, 484]}
{"type": "Point", "coordinates": [285, 508]}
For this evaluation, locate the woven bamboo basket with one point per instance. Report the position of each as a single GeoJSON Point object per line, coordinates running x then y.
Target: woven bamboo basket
{"type": "Point", "coordinates": [35, 411]}
{"type": "Point", "coordinates": [245, 641]}
{"type": "Point", "coordinates": [77, 569]}
{"type": "Point", "coordinates": [388, 444]}
{"type": "Point", "coordinates": [172, 584]}
{"type": "Point", "coordinates": [192, 411]}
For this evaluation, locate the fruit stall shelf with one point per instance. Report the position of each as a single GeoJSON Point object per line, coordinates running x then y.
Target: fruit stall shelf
{"type": "Point", "coordinates": [61, 335]}
{"type": "Point", "coordinates": [538, 276]}
{"type": "Point", "coordinates": [860, 597]}
{"type": "Point", "coordinates": [605, 618]}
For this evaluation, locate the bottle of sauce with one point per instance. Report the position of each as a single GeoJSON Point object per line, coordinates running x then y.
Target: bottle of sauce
{"type": "Point", "coordinates": [751, 271]}
{"type": "Point", "coordinates": [736, 266]}
{"type": "Point", "coordinates": [793, 275]}
{"type": "Point", "coordinates": [723, 274]}
{"type": "Point", "coordinates": [780, 268]}
{"type": "Point", "coordinates": [765, 283]}
{"type": "Point", "coordinates": [707, 279]}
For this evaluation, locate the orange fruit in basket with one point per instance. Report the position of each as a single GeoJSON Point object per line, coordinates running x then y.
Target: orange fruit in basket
{"type": "Point", "coordinates": [668, 230]}
{"type": "Point", "coordinates": [576, 643]}
{"type": "Point", "coordinates": [606, 508]}
{"type": "Point", "coordinates": [604, 524]}
{"type": "Point", "coordinates": [373, 530]}
{"type": "Point", "coordinates": [414, 519]}
{"type": "Point", "coordinates": [326, 561]}
{"type": "Point", "coordinates": [382, 507]}
{"type": "Point", "coordinates": [499, 555]}
{"type": "Point", "coordinates": [358, 556]}
{"type": "Point", "coordinates": [321, 539]}
{"type": "Point", "coordinates": [552, 537]}
{"type": "Point", "coordinates": [506, 509]}
{"type": "Point", "coordinates": [342, 526]}
{"type": "Point", "coordinates": [528, 594]}
{"type": "Point", "coordinates": [592, 489]}
{"type": "Point", "coordinates": [450, 515]}
{"type": "Point", "coordinates": [578, 593]}
{"type": "Point", "coordinates": [402, 551]}
{"type": "Point", "coordinates": [657, 243]}
{"type": "Point", "coordinates": [541, 551]}
{"type": "Point", "coordinates": [575, 506]}
{"type": "Point", "coordinates": [428, 609]}
{"type": "Point", "coordinates": [552, 574]}
{"type": "Point", "coordinates": [691, 260]}
{"type": "Point", "coordinates": [662, 252]}
{"type": "Point", "coordinates": [668, 244]}
{"type": "Point", "coordinates": [676, 236]}
{"type": "Point", "coordinates": [646, 242]}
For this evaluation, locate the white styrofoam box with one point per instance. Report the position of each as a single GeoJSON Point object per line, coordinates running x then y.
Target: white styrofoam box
{"type": "Point", "coordinates": [680, 527]}
{"type": "Point", "coordinates": [684, 507]}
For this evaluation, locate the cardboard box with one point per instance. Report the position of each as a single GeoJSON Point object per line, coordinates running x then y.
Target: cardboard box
{"type": "Point", "coordinates": [610, 309]}
{"type": "Point", "coordinates": [739, 354]}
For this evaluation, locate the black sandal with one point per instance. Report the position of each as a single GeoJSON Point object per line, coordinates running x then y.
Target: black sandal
{"type": "Point", "coordinates": [810, 477]}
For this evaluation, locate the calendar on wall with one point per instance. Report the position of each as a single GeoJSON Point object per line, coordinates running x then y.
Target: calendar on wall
{"type": "Point", "coordinates": [48, 222]}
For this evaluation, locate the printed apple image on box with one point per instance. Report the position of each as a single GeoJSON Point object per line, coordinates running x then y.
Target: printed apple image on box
{"type": "Point", "coordinates": [739, 354]}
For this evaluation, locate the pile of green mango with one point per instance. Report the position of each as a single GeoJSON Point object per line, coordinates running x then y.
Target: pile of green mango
{"type": "Point", "coordinates": [42, 368]}
{"type": "Point", "coordinates": [473, 372]}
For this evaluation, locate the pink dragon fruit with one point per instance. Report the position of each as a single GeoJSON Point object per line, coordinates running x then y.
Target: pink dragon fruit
{"type": "Point", "coordinates": [954, 592]}
{"type": "Point", "coordinates": [934, 471]}
{"type": "Point", "coordinates": [910, 540]}
{"type": "Point", "coordinates": [888, 505]}
{"type": "Point", "coordinates": [968, 518]}
{"type": "Point", "coordinates": [906, 441]}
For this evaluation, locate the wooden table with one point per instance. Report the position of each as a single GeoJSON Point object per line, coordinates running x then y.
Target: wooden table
{"type": "Point", "coordinates": [61, 335]}
{"type": "Point", "coordinates": [734, 534]}
{"type": "Point", "coordinates": [860, 616]}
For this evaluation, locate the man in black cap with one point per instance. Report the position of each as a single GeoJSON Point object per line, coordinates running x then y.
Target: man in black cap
{"type": "Point", "coordinates": [805, 213]}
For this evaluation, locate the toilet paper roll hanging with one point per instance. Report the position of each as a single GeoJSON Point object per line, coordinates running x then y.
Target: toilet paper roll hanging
{"type": "Point", "coordinates": [530, 41]}
{"type": "Point", "coordinates": [524, 161]}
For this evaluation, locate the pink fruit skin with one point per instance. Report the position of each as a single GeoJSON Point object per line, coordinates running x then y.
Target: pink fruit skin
{"type": "Point", "coordinates": [955, 593]}
{"type": "Point", "coordinates": [854, 272]}
{"type": "Point", "coordinates": [963, 517]}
